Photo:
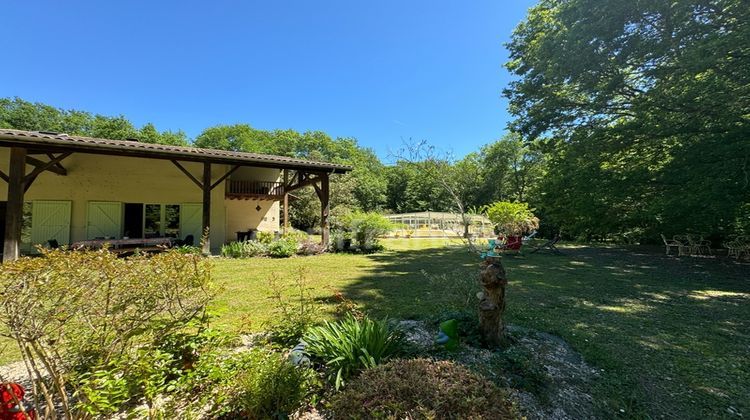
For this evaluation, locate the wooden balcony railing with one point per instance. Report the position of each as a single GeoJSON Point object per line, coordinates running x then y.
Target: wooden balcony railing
{"type": "Point", "coordinates": [255, 189]}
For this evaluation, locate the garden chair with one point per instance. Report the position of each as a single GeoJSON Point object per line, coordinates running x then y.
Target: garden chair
{"type": "Point", "coordinates": [670, 243]}
{"type": "Point", "coordinates": [737, 246]}
{"type": "Point", "coordinates": [698, 245]}
{"type": "Point", "coordinates": [549, 245]}
{"type": "Point", "coordinates": [684, 246]}
{"type": "Point", "coordinates": [526, 239]}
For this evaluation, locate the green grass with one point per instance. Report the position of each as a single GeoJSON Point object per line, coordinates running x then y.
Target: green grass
{"type": "Point", "coordinates": [670, 336]}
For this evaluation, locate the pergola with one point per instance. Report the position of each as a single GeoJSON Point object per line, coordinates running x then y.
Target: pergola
{"type": "Point", "coordinates": [46, 151]}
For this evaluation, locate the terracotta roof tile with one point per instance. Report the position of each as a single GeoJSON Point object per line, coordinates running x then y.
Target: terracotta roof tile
{"type": "Point", "coordinates": [10, 137]}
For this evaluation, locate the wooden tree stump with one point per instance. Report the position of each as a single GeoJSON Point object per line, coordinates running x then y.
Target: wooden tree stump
{"type": "Point", "coordinates": [492, 302]}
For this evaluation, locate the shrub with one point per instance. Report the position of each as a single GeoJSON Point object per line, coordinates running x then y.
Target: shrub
{"type": "Point", "coordinates": [351, 345]}
{"type": "Point", "coordinates": [363, 227]}
{"type": "Point", "coordinates": [244, 249]}
{"type": "Point", "coordinates": [255, 384]}
{"type": "Point", "coordinates": [232, 250]}
{"type": "Point", "coordinates": [422, 389]}
{"type": "Point", "coordinates": [265, 237]}
{"type": "Point", "coordinates": [270, 387]}
{"type": "Point", "coordinates": [367, 227]}
{"type": "Point", "coordinates": [282, 248]}
{"type": "Point", "coordinates": [78, 312]}
{"type": "Point", "coordinates": [297, 235]}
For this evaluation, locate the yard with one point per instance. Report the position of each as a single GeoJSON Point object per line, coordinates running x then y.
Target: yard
{"type": "Point", "coordinates": [671, 336]}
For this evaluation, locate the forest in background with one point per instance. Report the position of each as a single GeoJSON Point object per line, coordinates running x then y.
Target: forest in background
{"type": "Point", "coordinates": [631, 119]}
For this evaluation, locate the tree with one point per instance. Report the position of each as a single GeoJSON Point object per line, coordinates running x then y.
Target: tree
{"type": "Point", "coordinates": [512, 169]}
{"type": "Point", "coordinates": [23, 115]}
{"type": "Point", "coordinates": [646, 104]}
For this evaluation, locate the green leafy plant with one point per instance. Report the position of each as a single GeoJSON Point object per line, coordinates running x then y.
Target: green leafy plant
{"type": "Point", "coordinates": [283, 248]}
{"type": "Point", "coordinates": [101, 392]}
{"type": "Point", "coordinates": [255, 384]}
{"type": "Point", "coordinates": [297, 235]}
{"type": "Point", "coordinates": [351, 345]}
{"type": "Point", "coordinates": [245, 249]}
{"type": "Point", "coordinates": [188, 249]}
{"type": "Point", "coordinates": [512, 218]}
{"type": "Point", "coordinates": [72, 313]}
{"type": "Point", "coordinates": [271, 387]}
{"type": "Point", "coordinates": [265, 237]}
{"type": "Point", "coordinates": [422, 388]}
{"type": "Point", "coordinates": [364, 228]}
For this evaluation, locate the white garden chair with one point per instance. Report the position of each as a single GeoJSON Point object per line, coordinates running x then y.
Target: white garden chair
{"type": "Point", "coordinates": [683, 247]}
{"type": "Point", "coordinates": [698, 245]}
{"type": "Point", "coordinates": [671, 243]}
{"type": "Point", "coordinates": [737, 246]}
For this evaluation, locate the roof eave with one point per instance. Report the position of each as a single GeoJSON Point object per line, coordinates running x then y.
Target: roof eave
{"type": "Point", "coordinates": [53, 144]}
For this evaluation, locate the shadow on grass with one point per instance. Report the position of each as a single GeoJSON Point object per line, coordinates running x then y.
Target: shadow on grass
{"type": "Point", "coordinates": [671, 335]}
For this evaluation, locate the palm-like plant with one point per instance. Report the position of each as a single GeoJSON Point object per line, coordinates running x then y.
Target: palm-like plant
{"type": "Point", "coordinates": [512, 218]}
{"type": "Point", "coordinates": [351, 345]}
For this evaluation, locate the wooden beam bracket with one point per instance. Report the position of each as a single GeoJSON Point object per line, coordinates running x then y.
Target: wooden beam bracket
{"type": "Point", "coordinates": [56, 168]}
{"type": "Point", "coordinates": [225, 176]}
{"type": "Point", "coordinates": [189, 175]}
{"type": "Point", "coordinates": [45, 166]}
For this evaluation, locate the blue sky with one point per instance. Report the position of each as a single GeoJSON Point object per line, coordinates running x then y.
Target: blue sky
{"type": "Point", "coordinates": [380, 71]}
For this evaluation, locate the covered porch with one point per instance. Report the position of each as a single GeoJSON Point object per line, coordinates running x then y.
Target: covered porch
{"type": "Point", "coordinates": [206, 172]}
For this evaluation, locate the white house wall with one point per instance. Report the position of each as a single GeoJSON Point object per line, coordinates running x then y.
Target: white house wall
{"type": "Point", "coordinates": [137, 180]}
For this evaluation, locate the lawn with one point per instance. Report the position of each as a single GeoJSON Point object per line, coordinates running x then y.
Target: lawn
{"type": "Point", "coordinates": [671, 336]}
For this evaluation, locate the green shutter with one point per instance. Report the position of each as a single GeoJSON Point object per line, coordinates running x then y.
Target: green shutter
{"type": "Point", "coordinates": [104, 219]}
{"type": "Point", "coordinates": [191, 221]}
{"type": "Point", "coordinates": [50, 220]}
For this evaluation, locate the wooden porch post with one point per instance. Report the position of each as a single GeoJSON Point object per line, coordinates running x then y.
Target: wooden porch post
{"type": "Point", "coordinates": [206, 187]}
{"type": "Point", "coordinates": [14, 209]}
{"type": "Point", "coordinates": [324, 209]}
{"type": "Point", "coordinates": [286, 202]}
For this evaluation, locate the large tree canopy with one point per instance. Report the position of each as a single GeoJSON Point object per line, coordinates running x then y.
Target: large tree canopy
{"type": "Point", "coordinates": [23, 115]}
{"type": "Point", "coordinates": [648, 107]}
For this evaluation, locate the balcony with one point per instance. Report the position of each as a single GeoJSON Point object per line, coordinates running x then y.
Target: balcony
{"type": "Point", "coordinates": [258, 190]}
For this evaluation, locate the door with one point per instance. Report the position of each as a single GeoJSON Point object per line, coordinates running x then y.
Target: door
{"type": "Point", "coordinates": [191, 221]}
{"type": "Point", "coordinates": [104, 219]}
{"type": "Point", "coordinates": [50, 220]}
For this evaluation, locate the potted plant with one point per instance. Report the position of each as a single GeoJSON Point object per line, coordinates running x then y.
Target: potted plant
{"type": "Point", "coordinates": [512, 219]}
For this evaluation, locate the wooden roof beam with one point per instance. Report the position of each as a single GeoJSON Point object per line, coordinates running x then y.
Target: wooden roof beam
{"type": "Point", "coordinates": [55, 168]}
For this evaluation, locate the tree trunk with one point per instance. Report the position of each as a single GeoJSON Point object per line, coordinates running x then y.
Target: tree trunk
{"type": "Point", "coordinates": [492, 302]}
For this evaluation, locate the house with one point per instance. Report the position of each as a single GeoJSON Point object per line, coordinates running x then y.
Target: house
{"type": "Point", "coordinates": [70, 188]}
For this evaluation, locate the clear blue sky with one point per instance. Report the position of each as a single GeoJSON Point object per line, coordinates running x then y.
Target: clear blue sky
{"type": "Point", "coordinates": [379, 71]}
